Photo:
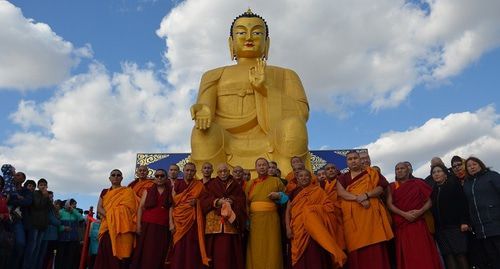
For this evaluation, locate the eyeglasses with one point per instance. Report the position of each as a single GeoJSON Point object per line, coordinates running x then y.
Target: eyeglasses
{"type": "Point", "coordinates": [115, 175]}
{"type": "Point", "coordinates": [160, 176]}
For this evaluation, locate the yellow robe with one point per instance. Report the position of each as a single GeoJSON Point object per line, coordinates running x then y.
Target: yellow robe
{"type": "Point", "coordinates": [264, 242]}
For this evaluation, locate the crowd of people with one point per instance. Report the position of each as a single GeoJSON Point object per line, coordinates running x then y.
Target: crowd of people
{"type": "Point", "coordinates": [355, 219]}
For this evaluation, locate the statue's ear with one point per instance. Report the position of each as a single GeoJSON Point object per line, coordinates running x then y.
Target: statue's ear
{"type": "Point", "coordinates": [231, 48]}
{"type": "Point", "coordinates": [266, 49]}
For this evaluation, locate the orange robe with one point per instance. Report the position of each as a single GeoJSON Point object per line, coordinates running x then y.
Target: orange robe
{"type": "Point", "coordinates": [185, 216]}
{"type": "Point", "coordinates": [139, 186]}
{"type": "Point", "coordinates": [310, 212]}
{"type": "Point", "coordinates": [366, 229]}
{"type": "Point", "coordinates": [120, 206]}
{"type": "Point", "coordinates": [292, 182]}
{"type": "Point", "coordinates": [331, 192]}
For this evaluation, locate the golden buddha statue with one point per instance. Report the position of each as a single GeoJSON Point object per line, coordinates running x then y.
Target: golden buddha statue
{"type": "Point", "coordinates": [249, 109]}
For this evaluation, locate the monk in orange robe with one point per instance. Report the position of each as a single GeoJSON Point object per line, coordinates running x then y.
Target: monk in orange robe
{"type": "Point", "coordinates": [310, 227]}
{"type": "Point", "coordinates": [366, 221]}
{"type": "Point", "coordinates": [224, 206]}
{"type": "Point", "coordinates": [408, 200]}
{"type": "Point", "coordinates": [297, 165]}
{"type": "Point", "coordinates": [330, 187]}
{"type": "Point", "coordinates": [142, 182]}
{"type": "Point", "coordinates": [117, 206]}
{"type": "Point", "coordinates": [188, 223]}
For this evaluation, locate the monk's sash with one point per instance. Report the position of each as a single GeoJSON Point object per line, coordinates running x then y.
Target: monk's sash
{"type": "Point", "coordinates": [184, 216]}
{"type": "Point", "coordinates": [310, 218]}
{"type": "Point", "coordinates": [261, 206]}
{"type": "Point", "coordinates": [364, 227]}
{"type": "Point", "coordinates": [120, 206]}
{"type": "Point", "coordinates": [141, 186]}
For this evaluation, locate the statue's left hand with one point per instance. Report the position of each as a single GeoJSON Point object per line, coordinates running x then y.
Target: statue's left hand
{"type": "Point", "coordinates": [257, 76]}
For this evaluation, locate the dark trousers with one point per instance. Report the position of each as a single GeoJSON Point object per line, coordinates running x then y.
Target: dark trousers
{"type": "Point", "coordinates": [487, 253]}
{"type": "Point", "coordinates": [67, 251]}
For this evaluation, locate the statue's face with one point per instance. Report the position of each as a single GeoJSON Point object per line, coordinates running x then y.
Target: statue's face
{"type": "Point", "coordinates": [249, 38]}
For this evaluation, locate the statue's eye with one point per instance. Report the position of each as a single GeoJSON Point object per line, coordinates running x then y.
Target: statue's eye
{"type": "Point", "coordinates": [258, 33]}
{"type": "Point", "coordinates": [240, 33]}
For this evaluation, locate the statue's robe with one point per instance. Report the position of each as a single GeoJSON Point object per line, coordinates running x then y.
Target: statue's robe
{"type": "Point", "coordinates": [366, 230]}
{"type": "Point", "coordinates": [264, 242]}
{"type": "Point", "coordinates": [313, 242]}
{"type": "Point", "coordinates": [188, 239]}
{"type": "Point", "coordinates": [415, 247]}
{"type": "Point", "coordinates": [154, 241]}
{"type": "Point", "coordinates": [254, 124]}
{"type": "Point", "coordinates": [223, 237]}
{"type": "Point", "coordinates": [117, 230]}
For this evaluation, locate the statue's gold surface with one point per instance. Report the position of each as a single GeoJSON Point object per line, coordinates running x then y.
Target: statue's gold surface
{"type": "Point", "coordinates": [250, 109]}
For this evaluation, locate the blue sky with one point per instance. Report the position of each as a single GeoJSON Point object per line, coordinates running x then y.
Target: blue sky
{"type": "Point", "coordinates": [85, 85]}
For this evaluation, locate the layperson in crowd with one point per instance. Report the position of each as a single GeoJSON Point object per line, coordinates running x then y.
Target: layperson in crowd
{"type": "Point", "coordinates": [449, 207]}
{"type": "Point", "coordinates": [264, 242]}
{"type": "Point", "coordinates": [366, 222]}
{"type": "Point", "coordinates": [153, 224]}
{"type": "Point", "coordinates": [482, 189]}
{"type": "Point", "coordinates": [207, 169]}
{"type": "Point", "coordinates": [94, 240]}
{"type": "Point", "coordinates": [49, 240]}
{"type": "Point", "coordinates": [458, 169]}
{"type": "Point", "coordinates": [434, 161]}
{"type": "Point", "coordinates": [37, 225]}
{"type": "Point", "coordinates": [142, 182]}
{"type": "Point", "coordinates": [187, 223]}
{"type": "Point", "coordinates": [224, 206]}
{"type": "Point", "coordinates": [330, 187]}
{"type": "Point", "coordinates": [117, 206]}
{"type": "Point", "coordinates": [408, 199]}
{"type": "Point", "coordinates": [6, 237]}
{"type": "Point", "coordinates": [68, 245]}
{"type": "Point", "coordinates": [19, 204]}
{"type": "Point", "coordinates": [310, 227]}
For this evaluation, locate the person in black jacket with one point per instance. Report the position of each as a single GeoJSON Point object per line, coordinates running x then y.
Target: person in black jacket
{"type": "Point", "coordinates": [482, 189]}
{"type": "Point", "coordinates": [451, 218]}
{"type": "Point", "coordinates": [38, 223]}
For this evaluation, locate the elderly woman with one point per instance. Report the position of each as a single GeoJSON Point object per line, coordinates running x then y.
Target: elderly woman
{"type": "Point", "coordinates": [483, 195]}
{"type": "Point", "coordinates": [451, 217]}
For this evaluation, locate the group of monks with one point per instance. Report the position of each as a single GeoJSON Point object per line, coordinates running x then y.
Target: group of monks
{"type": "Point", "coordinates": [329, 220]}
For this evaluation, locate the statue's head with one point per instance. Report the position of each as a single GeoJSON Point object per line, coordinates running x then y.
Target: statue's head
{"type": "Point", "coordinates": [249, 37]}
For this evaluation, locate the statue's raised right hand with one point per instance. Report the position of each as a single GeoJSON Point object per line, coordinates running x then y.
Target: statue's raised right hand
{"type": "Point", "coordinates": [201, 115]}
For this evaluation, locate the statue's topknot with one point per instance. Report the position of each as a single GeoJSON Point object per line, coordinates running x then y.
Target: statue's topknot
{"type": "Point", "coordinates": [249, 14]}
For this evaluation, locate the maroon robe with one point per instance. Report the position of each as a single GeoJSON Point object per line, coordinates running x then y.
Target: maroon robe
{"type": "Point", "coordinates": [415, 247]}
{"type": "Point", "coordinates": [225, 249]}
{"type": "Point", "coordinates": [154, 241]}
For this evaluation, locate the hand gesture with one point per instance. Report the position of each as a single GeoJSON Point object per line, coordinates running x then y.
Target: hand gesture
{"type": "Point", "coordinates": [257, 75]}
{"type": "Point", "coordinates": [201, 115]}
{"type": "Point", "coordinates": [409, 216]}
{"type": "Point", "coordinates": [138, 230]}
{"type": "Point", "coordinates": [289, 233]}
{"type": "Point", "coordinates": [464, 228]}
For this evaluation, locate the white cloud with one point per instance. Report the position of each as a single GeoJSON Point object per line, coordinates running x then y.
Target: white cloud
{"type": "Point", "coordinates": [31, 54]}
{"type": "Point", "coordinates": [464, 134]}
{"type": "Point", "coordinates": [346, 52]}
{"type": "Point", "coordinates": [96, 122]}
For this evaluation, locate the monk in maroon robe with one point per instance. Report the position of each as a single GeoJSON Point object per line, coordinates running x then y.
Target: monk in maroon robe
{"type": "Point", "coordinates": [224, 206]}
{"type": "Point", "coordinates": [408, 199]}
{"type": "Point", "coordinates": [153, 224]}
